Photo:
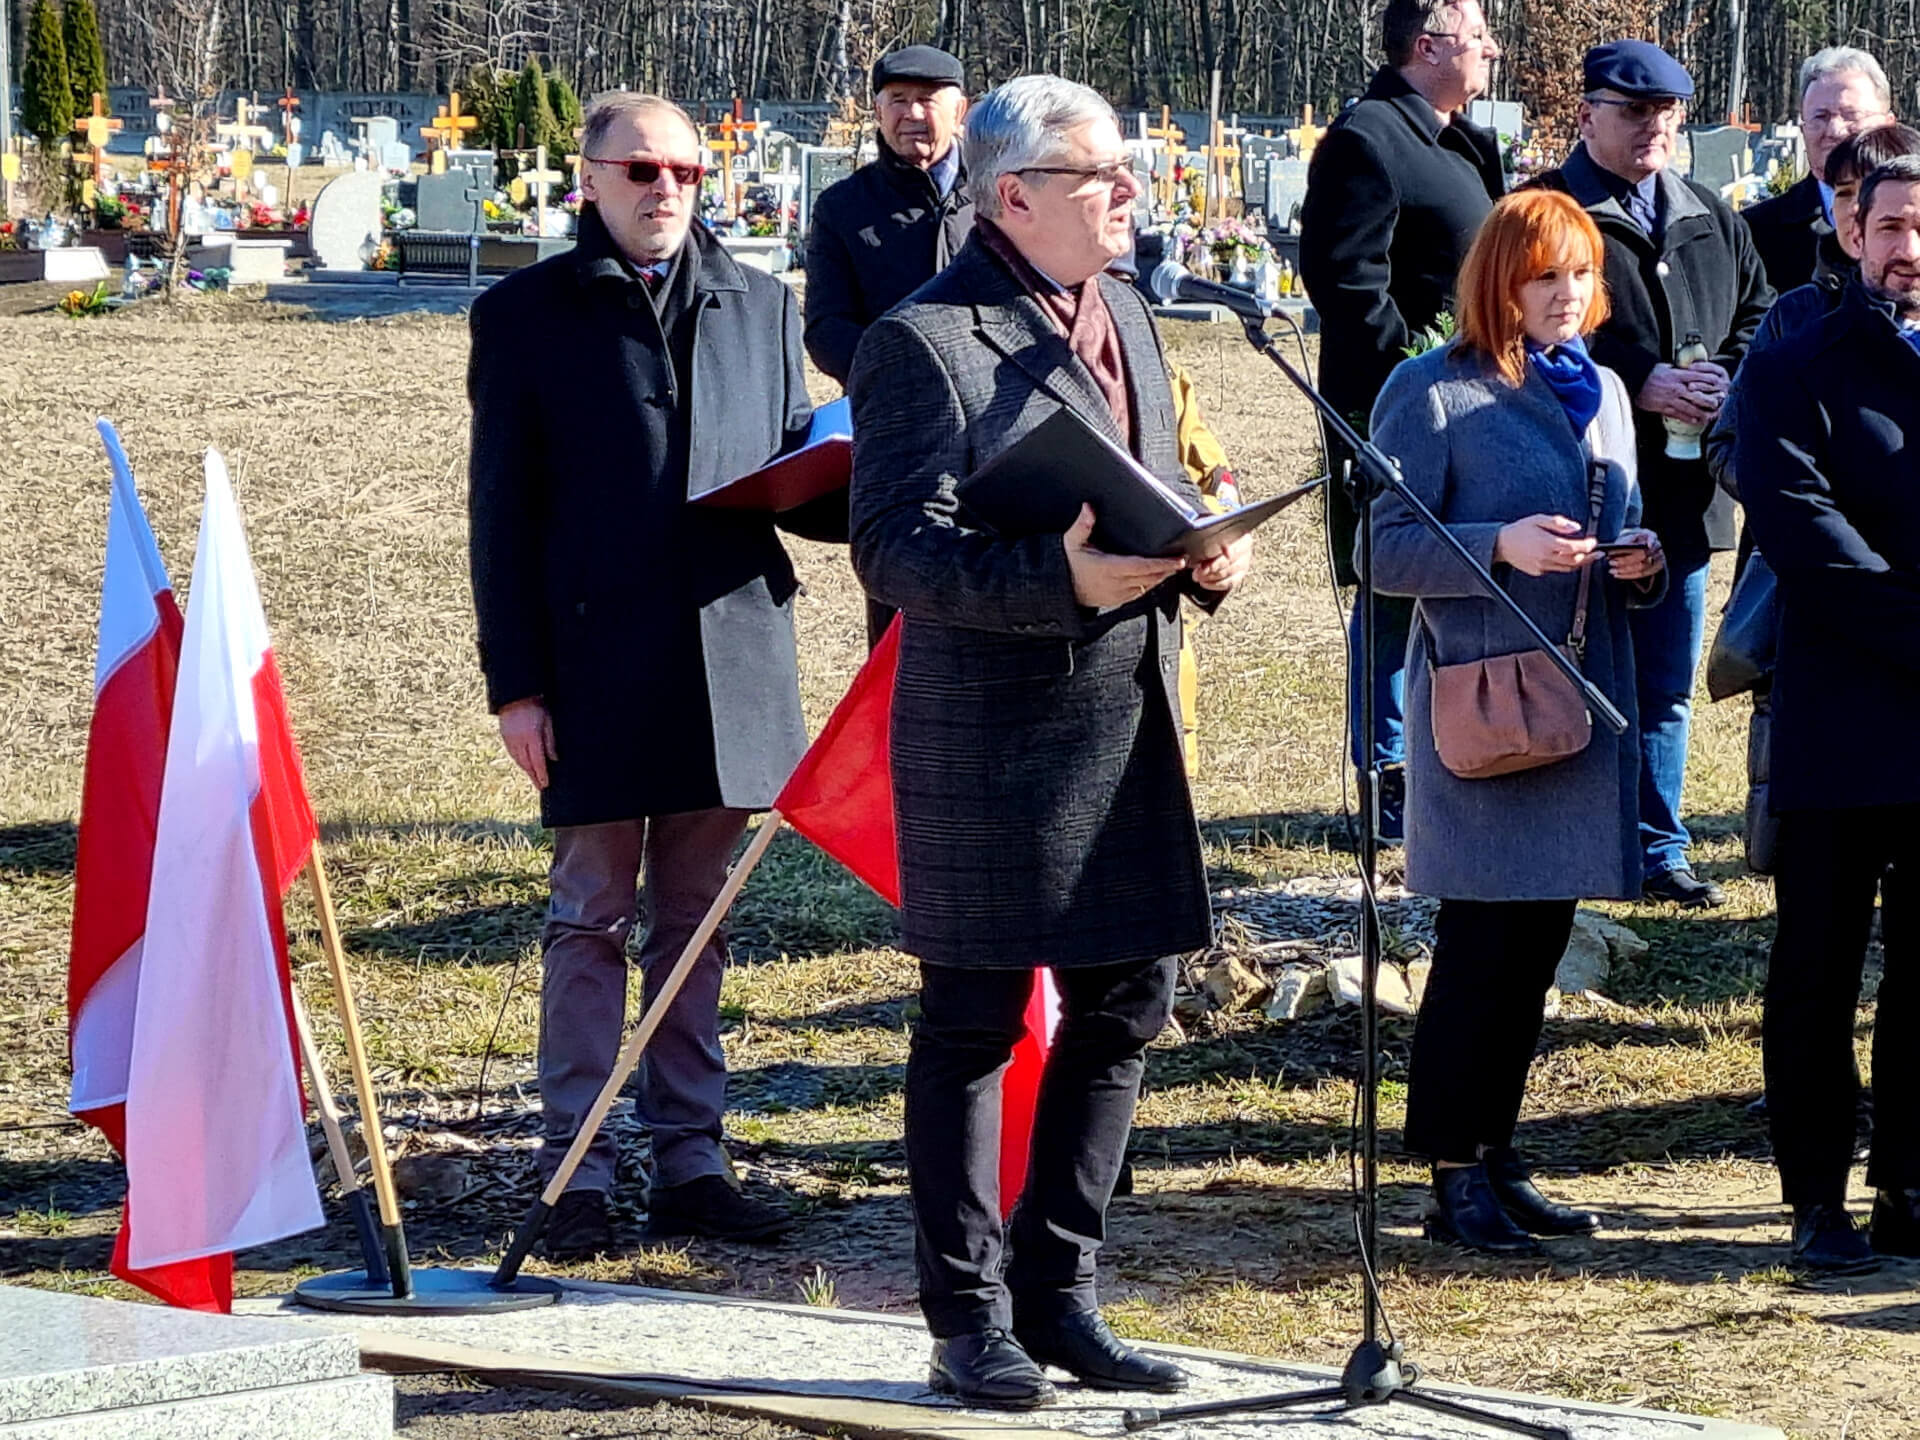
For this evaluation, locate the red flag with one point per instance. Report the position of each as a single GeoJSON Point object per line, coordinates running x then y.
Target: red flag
{"type": "Point", "coordinates": [134, 673]}
{"type": "Point", "coordinates": [840, 796]}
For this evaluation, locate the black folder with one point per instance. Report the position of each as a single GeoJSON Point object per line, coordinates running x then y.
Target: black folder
{"type": "Point", "coordinates": [1037, 485]}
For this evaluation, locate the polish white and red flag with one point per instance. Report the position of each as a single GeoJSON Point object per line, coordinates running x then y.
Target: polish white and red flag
{"type": "Point", "coordinates": [133, 681]}
{"type": "Point", "coordinates": [215, 1144]}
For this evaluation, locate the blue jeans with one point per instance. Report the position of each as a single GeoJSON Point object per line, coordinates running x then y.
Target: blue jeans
{"type": "Point", "coordinates": [1392, 622]}
{"type": "Point", "coordinates": [1666, 652]}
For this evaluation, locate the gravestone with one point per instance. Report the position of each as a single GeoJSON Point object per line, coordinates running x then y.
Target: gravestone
{"type": "Point", "coordinates": [446, 203]}
{"type": "Point", "coordinates": [332, 152]}
{"type": "Point", "coordinates": [819, 168]}
{"type": "Point", "coordinates": [1286, 192]}
{"type": "Point", "coordinates": [1506, 118]}
{"type": "Point", "coordinates": [77, 1368]}
{"type": "Point", "coordinates": [1721, 155]}
{"type": "Point", "coordinates": [345, 220]}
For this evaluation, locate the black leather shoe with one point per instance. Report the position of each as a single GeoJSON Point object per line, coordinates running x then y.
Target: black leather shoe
{"type": "Point", "coordinates": [1083, 1346]}
{"type": "Point", "coordinates": [1393, 804]}
{"type": "Point", "coordinates": [1464, 1211]}
{"type": "Point", "coordinates": [1896, 1223]}
{"type": "Point", "coordinates": [1826, 1240]}
{"type": "Point", "coordinates": [1526, 1206]}
{"type": "Point", "coordinates": [1685, 889]}
{"type": "Point", "coordinates": [988, 1368]}
{"type": "Point", "coordinates": [578, 1228]}
{"type": "Point", "coordinates": [713, 1206]}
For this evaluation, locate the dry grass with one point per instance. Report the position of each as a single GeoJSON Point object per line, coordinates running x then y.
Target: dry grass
{"type": "Point", "coordinates": [347, 443]}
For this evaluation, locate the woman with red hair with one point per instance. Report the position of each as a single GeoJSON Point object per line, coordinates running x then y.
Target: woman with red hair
{"type": "Point", "coordinates": [1525, 450]}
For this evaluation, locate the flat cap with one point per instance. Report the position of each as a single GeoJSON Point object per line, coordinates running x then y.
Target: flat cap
{"type": "Point", "coordinates": [918, 62]}
{"type": "Point", "coordinates": [1638, 69]}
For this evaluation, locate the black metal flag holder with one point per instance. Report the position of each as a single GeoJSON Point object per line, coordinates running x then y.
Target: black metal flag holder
{"type": "Point", "coordinates": [1378, 1373]}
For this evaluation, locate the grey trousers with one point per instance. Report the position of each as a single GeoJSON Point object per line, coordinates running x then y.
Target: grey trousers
{"type": "Point", "coordinates": [583, 989]}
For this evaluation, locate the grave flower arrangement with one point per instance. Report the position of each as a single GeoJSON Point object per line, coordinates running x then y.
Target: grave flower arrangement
{"type": "Point", "coordinates": [9, 234]}
{"type": "Point", "coordinates": [1231, 239]}
{"type": "Point", "coordinates": [79, 304]}
{"type": "Point", "coordinates": [111, 214]}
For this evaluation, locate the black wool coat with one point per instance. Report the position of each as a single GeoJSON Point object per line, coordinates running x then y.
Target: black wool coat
{"type": "Point", "coordinates": [877, 236]}
{"type": "Point", "coordinates": [1039, 793]}
{"type": "Point", "coordinates": [1701, 276]}
{"type": "Point", "coordinates": [1796, 244]}
{"type": "Point", "coordinates": [1394, 199]}
{"type": "Point", "coordinates": [659, 635]}
{"type": "Point", "coordinates": [1828, 453]}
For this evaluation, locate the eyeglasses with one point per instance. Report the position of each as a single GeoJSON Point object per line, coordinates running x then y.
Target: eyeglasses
{"type": "Point", "coordinates": [1107, 175]}
{"type": "Point", "coordinates": [1848, 119]}
{"type": "Point", "coordinates": [646, 172]}
{"type": "Point", "coordinates": [1642, 111]}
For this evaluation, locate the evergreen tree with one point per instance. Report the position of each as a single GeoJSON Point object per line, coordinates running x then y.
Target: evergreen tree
{"type": "Point", "coordinates": [46, 101]}
{"type": "Point", "coordinates": [489, 99]}
{"type": "Point", "coordinates": [533, 122]}
{"type": "Point", "coordinates": [567, 115]}
{"type": "Point", "coordinates": [86, 56]}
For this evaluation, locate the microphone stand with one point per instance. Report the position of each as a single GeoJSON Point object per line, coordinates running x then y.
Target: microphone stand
{"type": "Point", "coordinates": [1376, 1373]}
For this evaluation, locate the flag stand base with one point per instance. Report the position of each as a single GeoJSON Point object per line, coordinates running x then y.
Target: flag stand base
{"type": "Point", "coordinates": [434, 1292]}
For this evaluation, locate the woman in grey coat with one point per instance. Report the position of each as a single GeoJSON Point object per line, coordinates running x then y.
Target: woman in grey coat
{"type": "Point", "coordinates": [1500, 433]}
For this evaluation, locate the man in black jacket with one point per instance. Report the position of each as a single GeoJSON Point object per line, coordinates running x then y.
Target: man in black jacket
{"type": "Point", "coordinates": [1830, 471]}
{"type": "Point", "coordinates": [892, 225]}
{"type": "Point", "coordinates": [638, 650]}
{"type": "Point", "coordinates": [1679, 264]}
{"type": "Point", "coordinates": [1397, 189]}
{"type": "Point", "coordinates": [1843, 91]}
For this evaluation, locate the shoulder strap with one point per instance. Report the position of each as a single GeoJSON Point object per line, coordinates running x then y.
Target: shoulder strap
{"type": "Point", "coordinates": [1596, 502]}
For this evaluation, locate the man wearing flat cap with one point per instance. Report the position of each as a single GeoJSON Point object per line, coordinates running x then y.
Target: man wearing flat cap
{"type": "Point", "coordinates": [1679, 264]}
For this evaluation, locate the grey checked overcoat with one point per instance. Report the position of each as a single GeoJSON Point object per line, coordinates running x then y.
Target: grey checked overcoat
{"type": "Point", "coordinates": [1042, 807]}
{"type": "Point", "coordinates": [1481, 454]}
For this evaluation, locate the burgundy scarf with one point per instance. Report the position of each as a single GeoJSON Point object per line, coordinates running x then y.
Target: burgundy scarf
{"type": "Point", "coordinates": [1081, 317]}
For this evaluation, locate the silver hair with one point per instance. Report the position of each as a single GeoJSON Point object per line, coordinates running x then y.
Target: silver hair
{"type": "Point", "coordinates": [1019, 124]}
{"type": "Point", "coordinates": [1838, 60]}
{"type": "Point", "coordinates": [608, 108]}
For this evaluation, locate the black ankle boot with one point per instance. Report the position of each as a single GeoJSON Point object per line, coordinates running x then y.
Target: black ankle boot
{"type": "Point", "coordinates": [1526, 1206]}
{"type": "Point", "coordinates": [1465, 1211]}
{"type": "Point", "coordinates": [1896, 1223]}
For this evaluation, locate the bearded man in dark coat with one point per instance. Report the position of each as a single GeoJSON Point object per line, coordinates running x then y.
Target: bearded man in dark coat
{"type": "Point", "coordinates": [1043, 816]}
{"type": "Point", "coordinates": [638, 650]}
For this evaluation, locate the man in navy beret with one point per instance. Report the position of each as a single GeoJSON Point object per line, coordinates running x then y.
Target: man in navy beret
{"type": "Point", "coordinates": [1679, 263]}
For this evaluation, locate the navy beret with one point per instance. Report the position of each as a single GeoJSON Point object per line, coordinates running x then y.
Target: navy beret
{"type": "Point", "coordinates": [917, 62]}
{"type": "Point", "coordinates": [1638, 69]}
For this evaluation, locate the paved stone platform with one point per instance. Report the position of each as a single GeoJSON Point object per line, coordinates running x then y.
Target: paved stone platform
{"type": "Point", "coordinates": [76, 1368]}
{"type": "Point", "coordinates": [865, 1374]}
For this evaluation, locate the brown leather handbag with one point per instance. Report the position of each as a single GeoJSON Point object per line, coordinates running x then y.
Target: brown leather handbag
{"type": "Point", "coordinates": [1507, 713]}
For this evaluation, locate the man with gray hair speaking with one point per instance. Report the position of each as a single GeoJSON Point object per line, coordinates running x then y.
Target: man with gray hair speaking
{"type": "Point", "coordinates": [1843, 91]}
{"type": "Point", "coordinates": [1041, 803]}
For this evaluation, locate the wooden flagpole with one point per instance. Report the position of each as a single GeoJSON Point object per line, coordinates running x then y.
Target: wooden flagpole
{"type": "Point", "coordinates": [400, 1272]}
{"type": "Point", "coordinates": [536, 1219]}
{"type": "Point", "coordinates": [350, 1187]}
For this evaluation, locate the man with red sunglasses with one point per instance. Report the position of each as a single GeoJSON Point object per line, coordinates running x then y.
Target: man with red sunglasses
{"type": "Point", "coordinates": [638, 650]}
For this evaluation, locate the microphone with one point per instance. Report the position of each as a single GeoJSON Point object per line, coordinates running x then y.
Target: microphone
{"type": "Point", "coordinates": [1173, 281]}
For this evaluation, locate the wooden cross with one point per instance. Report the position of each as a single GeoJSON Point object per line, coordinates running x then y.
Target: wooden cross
{"type": "Point", "coordinates": [537, 180]}
{"type": "Point", "coordinates": [242, 131]}
{"type": "Point", "coordinates": [730, 145]}
{"type": "Point", "coordinates": [1306, 134]}
{"type": "Point", "coordinates": [288, 103]}
{"type": "Point", "coordinates": [1220, 159]}
{"type": "Point", "coordinates": [1170, 136]}
{"type": "Point", "coordinates": [450, 125]}
{"type": "Point", "coordinates": [97, 129]}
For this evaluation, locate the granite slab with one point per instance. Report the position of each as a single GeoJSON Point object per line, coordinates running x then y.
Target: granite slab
{"type": "Point", "coordinates": [697, 1347]}
{"type": "Point", "coordinates": [360, 1408]}
{"type": "Point", "coordinates": [76, 1355]}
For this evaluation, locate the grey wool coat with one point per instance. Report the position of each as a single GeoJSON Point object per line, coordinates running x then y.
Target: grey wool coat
{"type": "Point", "coordinates": [1041, 804]}
{"type": "Point", "coordinates": [1481, 454]}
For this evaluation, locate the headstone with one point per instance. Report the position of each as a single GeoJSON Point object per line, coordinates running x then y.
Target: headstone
{"type": "Point", "coordinates": [443, 203]}
{"type": "Point", "coordinates": [77, 1368]}
{"type": "Point", "coordinates": [257, 262]}
{"type": "Point", "coordinates": [1720, 155]}
{"type": "Point", "coordinates": [345, 222]}
{"type": "Point", "coordinates": [819, 168]}
{"type": "Point", "coordinates": [333, 153]}
{"type": "Point", "coordinates": [1506, 118]}
{"type": "Point", "coordinates": [1286, 192]}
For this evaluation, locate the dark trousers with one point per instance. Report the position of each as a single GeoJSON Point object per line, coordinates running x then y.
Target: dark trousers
{"type": "Point", "coordinates": [1480, 1021]}
{"type": "Point", "coordinates": [969, 1021]}
{"type": "Point", "coordinates": [1829, 866]}
{"type": "Point", "coordinates": [583, 989]}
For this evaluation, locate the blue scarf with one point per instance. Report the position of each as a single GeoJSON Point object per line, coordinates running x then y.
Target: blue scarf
{"type": "Point", "coordinates": [1572, 376]}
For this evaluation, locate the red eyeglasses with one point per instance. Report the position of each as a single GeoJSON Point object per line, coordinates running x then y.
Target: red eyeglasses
{"type": "Point", "coordinates": [646, 172]}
